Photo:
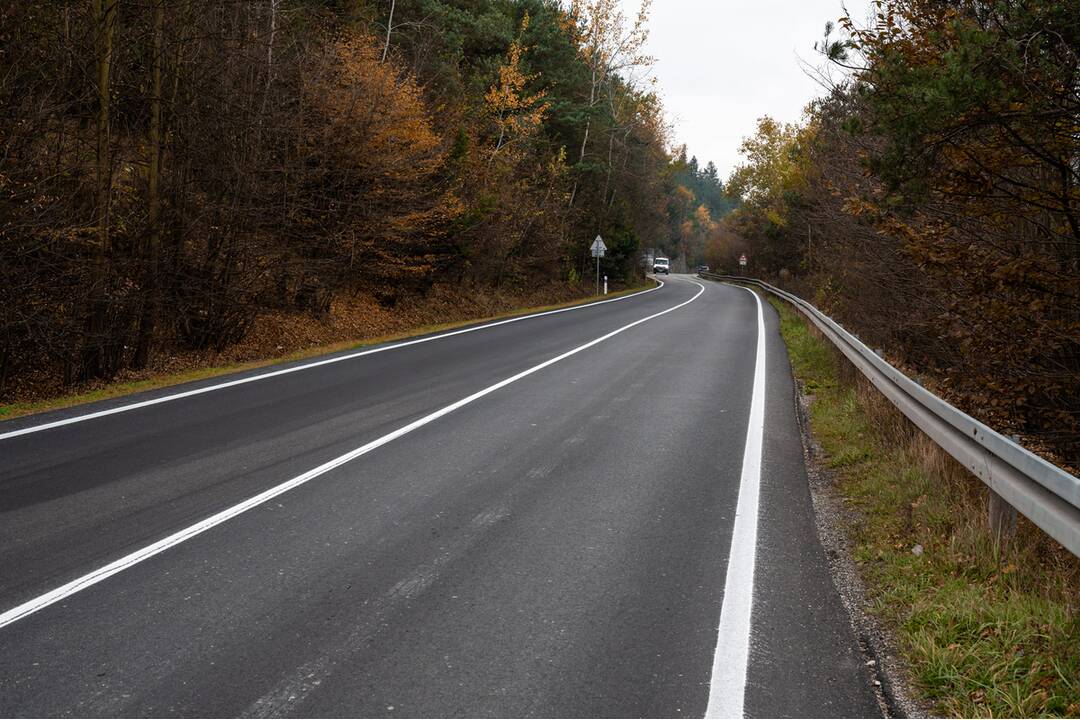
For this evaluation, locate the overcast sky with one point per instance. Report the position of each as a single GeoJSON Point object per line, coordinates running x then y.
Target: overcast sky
{"type": "Point", "coordinates": [722, 64]}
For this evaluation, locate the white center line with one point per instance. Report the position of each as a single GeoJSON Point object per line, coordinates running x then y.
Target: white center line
{"type": "Point", "coordinates": [42, 601]}
{"type": "Point", "coordinates": [727, 689]}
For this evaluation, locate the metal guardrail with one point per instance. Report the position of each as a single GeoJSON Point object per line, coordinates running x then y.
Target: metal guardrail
{"type": "Point", "coordinates": [1041, 491]}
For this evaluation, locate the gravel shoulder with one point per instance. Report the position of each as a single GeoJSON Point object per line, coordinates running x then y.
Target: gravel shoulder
{"type": "Point", "coordinates": [893, 679]}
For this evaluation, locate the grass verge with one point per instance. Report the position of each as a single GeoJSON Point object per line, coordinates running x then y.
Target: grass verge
{"type": "Point", "coordinates": [120, 389]}
{"type": "Point", "coordinates": [987, 631]}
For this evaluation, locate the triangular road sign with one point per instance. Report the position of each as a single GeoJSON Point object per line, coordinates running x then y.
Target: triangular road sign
{"type": "Point", "coordinates": [598, 247]}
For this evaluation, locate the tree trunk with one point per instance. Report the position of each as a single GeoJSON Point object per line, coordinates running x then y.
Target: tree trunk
{"type": "Point", "coordinates": [389, 29]}
{"type": "Point", "coordinates": [585, 140]}
{"type": "Point", "coordinates": [93, 361]}
{"type": "Point", "coordinates": [270, 42]}
{"type": "Point", "coordinates": [152, 286]}
{"type": "Point", "coordinates": [607, 178]}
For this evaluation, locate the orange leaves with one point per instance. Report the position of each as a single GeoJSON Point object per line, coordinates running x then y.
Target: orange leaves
{"type": "Point", "coordinates": [703, 219]}
{"type": "Point", "coordinates": [372, 158]}
{"type": "Point", "coordinates": [514, 112]}
{"type": "Point", "coordinates": [859, 206]}
{"type": "Point", "coordinates": [371, 114]}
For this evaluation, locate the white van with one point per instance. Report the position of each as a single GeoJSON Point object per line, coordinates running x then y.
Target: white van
{"type": "Point", "coordinates": [661, 265]}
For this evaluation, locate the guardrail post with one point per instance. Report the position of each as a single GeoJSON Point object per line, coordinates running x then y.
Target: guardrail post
{"type": "Point", "coordinates": [1001, 517]}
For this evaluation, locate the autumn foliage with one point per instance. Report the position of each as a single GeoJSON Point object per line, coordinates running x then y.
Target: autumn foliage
{"type": "Point", "coordinates": [374, 208]}
{"type": "Point", "coordinates": [932, 202]}
{"type": "Point", "coordinates": [173, 171]}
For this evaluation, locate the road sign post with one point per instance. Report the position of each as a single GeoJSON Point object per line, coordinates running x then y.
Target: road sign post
{"type": "Point", "coordinates": [598, 249]}
{"type": "Point", "coordinates": [742, 263]}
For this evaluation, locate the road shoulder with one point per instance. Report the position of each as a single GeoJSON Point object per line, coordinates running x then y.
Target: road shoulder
{"type": "Point", "coordinates": [806, 658]}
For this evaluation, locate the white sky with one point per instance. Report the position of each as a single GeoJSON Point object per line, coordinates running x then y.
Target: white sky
{"type": "Point", "coordinates": [722, 64]}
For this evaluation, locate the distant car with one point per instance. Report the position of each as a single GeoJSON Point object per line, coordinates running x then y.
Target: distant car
{"type": "Point", "coordinates": [702, 268]}
{"type": "Point", "coordinates": [661, 265]}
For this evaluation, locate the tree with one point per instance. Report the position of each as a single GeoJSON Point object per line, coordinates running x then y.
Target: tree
{"type": "Point", "coordinates": [514, 111]}
{"type": "Point", "coordinates": [976, 106]}
{"type": "Point", "coordinates": [370, 191]}
{"type": "Point", "coordinates": [94, 361]}
{"type": "Point", "coordinates": [608, 46]}
{"type": "Point", "coordinates": [152, 301]}
{"type": "Point", "coordinates": [937, 188]}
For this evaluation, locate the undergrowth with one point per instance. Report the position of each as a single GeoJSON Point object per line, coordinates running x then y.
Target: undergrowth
{"type": "Point", "coordinates": [988, 630]}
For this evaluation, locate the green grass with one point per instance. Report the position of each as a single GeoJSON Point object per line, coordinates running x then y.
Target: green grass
{"type": "Point", "coordinates": [120, 389]}
{"type": "Point", "coordinates": [987, 632]}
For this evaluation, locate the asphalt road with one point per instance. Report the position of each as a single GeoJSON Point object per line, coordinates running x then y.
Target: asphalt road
{"type": "Point", "coordinates": [427, 539]}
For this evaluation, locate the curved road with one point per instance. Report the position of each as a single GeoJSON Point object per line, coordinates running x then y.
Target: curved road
{"type": "Point", "coordinates": [530, 518]}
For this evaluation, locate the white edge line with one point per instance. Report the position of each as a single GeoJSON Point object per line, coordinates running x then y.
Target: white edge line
{"type": "Point", "coordinates": [307, 366]}
{"type": "Point", "coordinates": [42, 601]}
{"type": "Point", "coordinates": [727, 686]}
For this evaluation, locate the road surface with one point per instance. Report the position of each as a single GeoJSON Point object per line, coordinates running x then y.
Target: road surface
{"type": "Point", "coordinates": [530, 518]}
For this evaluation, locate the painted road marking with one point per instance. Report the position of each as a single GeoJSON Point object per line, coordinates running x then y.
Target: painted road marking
{"type": "Point", "coordinates": [92, 578]}
{"type": "Point", "coordinates": [305, 366]}
{"type": "Point", "coordinates": [727, 688]}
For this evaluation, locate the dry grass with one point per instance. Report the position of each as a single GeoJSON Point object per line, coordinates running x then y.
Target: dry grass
{"type": "Point", "coordinates": [988, 630]}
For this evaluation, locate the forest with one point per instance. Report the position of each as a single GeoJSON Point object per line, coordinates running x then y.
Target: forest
{"type": "Point", "coordinates": [172, 171]}
{"type": "Point", "coordinates": [931, 202]}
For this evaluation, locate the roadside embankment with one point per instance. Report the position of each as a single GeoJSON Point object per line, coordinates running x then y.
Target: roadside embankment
{"type": "Point", "coordinates": [985, 631]}
{"type": "Point", "coordinates": [280, 337]}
